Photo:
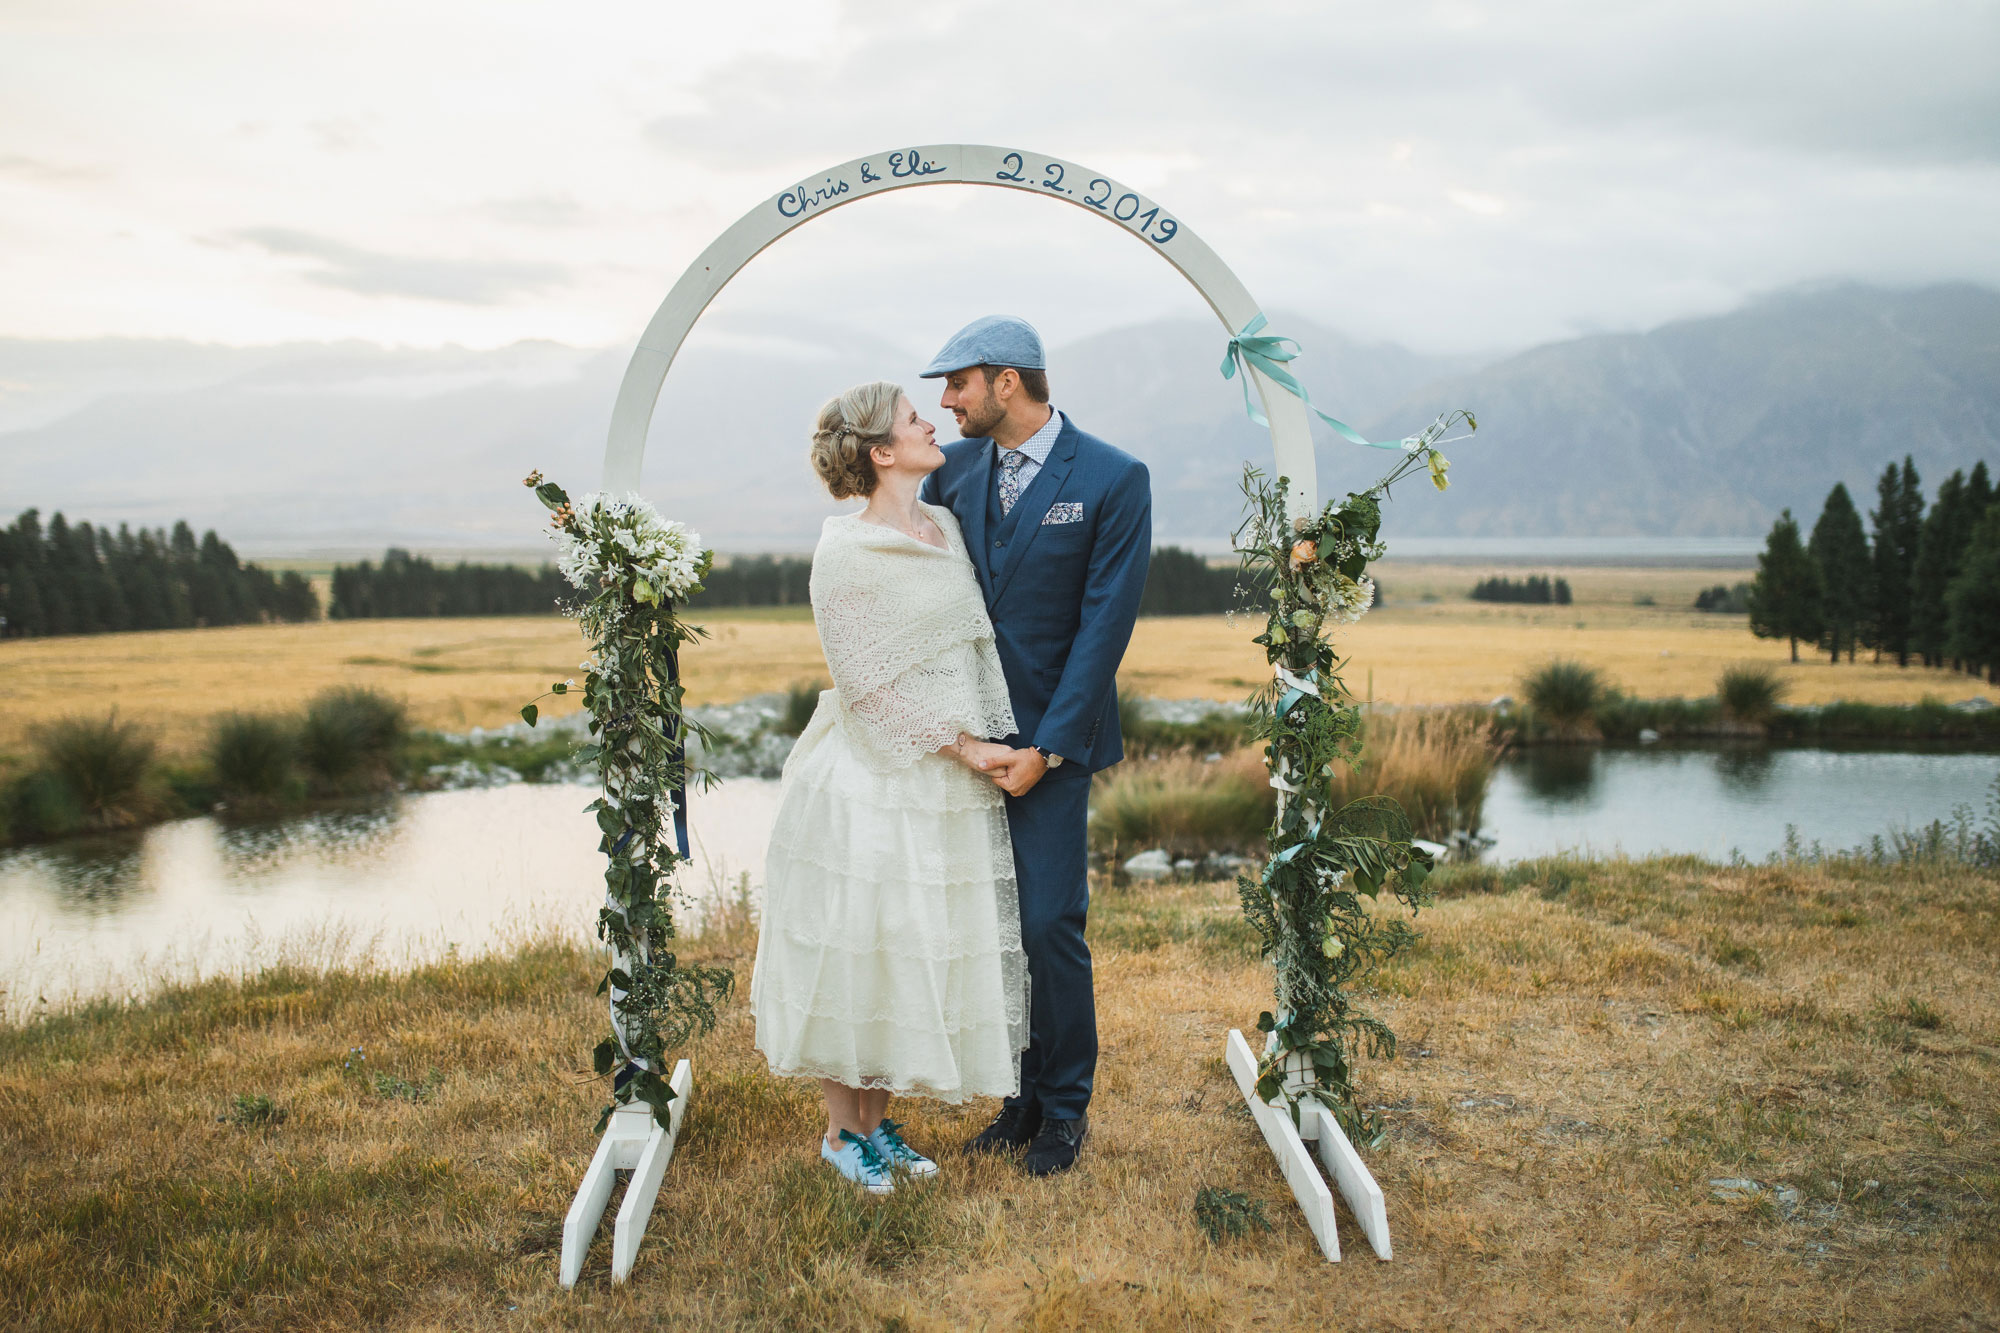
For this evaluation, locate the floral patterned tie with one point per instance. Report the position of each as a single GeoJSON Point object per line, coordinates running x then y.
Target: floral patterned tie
{"type": "Point", "coordinates": [1010, 478]}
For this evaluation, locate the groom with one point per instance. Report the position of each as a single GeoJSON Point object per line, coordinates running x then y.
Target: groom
{"type": "Point", "coordinates": [1060, 528]}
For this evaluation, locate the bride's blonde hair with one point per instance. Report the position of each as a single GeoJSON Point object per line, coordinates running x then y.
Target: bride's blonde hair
{"type": "Point", "coordinates": [849, 426]}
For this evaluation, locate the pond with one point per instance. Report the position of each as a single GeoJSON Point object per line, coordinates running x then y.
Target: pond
{"type": "Point", "coordinates": [415, 877]}
{"type": "Point", "coordinates": [1717, 801]}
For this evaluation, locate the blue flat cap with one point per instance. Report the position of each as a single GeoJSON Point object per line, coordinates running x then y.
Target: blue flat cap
{"type": "Point", "coordinates": [997, 340]}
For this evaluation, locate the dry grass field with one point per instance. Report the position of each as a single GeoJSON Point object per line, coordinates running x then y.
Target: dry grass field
{"type": "Point", "coordinates": [1582, 1056]}
{"type": "Point", "coordinates": [456, 674]}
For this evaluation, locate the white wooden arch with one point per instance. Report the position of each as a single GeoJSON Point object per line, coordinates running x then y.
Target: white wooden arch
{"type": "Point", "coordinates": [632, 1141]}
{"type": "Point", "coordinates": [942, 164]}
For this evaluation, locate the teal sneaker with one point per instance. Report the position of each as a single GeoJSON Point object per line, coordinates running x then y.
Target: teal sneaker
{"type": "Point", "coordinates": [860, 1162]}
{"type": "Point", "coordinates": [899, 1155]}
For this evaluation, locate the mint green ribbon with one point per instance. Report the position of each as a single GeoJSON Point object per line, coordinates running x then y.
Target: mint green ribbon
{"type": "Point", "coordinates": [1269, 354]}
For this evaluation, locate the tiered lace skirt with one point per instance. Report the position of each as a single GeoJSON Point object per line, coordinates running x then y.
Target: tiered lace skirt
{"type": "Point", "coordinates": [890, 953]}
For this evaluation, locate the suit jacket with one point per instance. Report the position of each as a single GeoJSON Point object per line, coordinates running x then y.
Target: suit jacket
{"type": "Point", "coordinates": [1063, 573]}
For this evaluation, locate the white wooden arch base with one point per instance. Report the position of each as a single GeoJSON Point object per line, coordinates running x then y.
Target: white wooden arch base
{"type": "Point", "coordinates": [1287, 1143]}
{"type": "Point", "coordinates": [633, 1143]}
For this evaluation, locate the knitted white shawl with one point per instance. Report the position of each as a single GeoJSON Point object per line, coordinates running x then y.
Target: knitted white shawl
{"type": "Point", "coordinates": [907, 640]}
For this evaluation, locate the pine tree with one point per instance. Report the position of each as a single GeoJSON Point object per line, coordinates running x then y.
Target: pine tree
{"type": "Point", "coordinates": [1785, 600]}
{"type": "Point", "coordinates": [1898, 518]}
{"type": "Point", "coordinates": [1940, 548]}
{"type": "Point", "coordinates": [1972, 602]}
{"type": "Point", "coordinates": [1839, 546]}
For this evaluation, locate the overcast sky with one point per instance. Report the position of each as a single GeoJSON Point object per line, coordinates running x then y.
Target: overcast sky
{"type": "Point", "coordinates": [1457, 177]}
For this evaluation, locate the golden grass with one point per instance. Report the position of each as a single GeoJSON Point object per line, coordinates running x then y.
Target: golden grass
{"type": "Point", "coordinates": [455, 674]}
{"type": "Point", "coordinates": [1581, 1056]}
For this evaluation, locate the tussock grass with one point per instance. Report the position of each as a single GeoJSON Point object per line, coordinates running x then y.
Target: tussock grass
{"type": "Point", "coordinates": [1750, 694]}
{"type": "Point", "coordinates": [1564, 696]}
{"type": "Point", "coordinates": [350, 736]}
{"type": "Point", "coordinates": [801, 699]}
{"type": "Point", "coordinates": [1435, 763]}
{"type": "Point", "coordinates": [254, 757]}
{"type": "Point", "coordinates": [1585, 1046]}
{"type": "Point", "coordinates": [92, 773]}
{"type": "Point", "coordinates": [1183, 803]}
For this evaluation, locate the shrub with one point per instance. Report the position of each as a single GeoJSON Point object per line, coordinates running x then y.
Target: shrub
{"type": "Point", "coordinates": [40, 807]}
{"type": "Point", "coordinates": [1436, 764]}
{"type": "Point", "coordinates": [350, 735]}
{"type": "Point", "coordinates": [100, 764]}
{"type": "Point", "coordinates": [252, 755]}
{"type": "Point", "coordinates": [800, 701]}
{"type": "Point", "coordinates": [1750, 694]}
{"type": "Point", "coordinates": [1218, 731]}
{"type": "Point", "coordinates": [1186, 805]}
{"type": "Point", "coordinates": [1565, 695]}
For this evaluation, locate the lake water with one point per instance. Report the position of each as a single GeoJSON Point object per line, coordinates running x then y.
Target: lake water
{"type": "Point", "coordinates": [411, 878]}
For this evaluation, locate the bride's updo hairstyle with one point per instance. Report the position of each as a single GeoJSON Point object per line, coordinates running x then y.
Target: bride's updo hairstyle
{"type": "Point", "coordinates": [849, 426]}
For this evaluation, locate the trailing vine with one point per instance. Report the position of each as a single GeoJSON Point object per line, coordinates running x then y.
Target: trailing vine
{"type": "Point", "coordinates": [1326, 869]}
{"type": "Point", "coordinates": [631, 567]}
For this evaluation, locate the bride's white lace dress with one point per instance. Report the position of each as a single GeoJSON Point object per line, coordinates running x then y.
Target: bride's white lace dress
{"type": "Point", "coordinates": [890, 954]}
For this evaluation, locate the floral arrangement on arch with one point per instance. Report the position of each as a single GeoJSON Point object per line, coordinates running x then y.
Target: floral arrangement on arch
{"type": "Point", "coordinates": [631, 569]}
{"type": "Point", "coordinates": [1326, 868]}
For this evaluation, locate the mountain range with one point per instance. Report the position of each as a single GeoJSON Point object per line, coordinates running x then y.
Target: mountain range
{"type": "Point", "coordinates": [1702, 427]}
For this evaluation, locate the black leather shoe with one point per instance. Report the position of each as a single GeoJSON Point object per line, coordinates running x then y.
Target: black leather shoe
{"type": "Point", "coordinates": [1056, 1145]}
{"type": "Point", "coordinates": [1012, 1130]}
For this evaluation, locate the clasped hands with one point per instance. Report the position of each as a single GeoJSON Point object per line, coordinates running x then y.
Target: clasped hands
{"type": "Point", "coordinates": [1012, 771]}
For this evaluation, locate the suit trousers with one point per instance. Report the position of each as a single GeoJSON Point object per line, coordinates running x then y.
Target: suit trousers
{"type": "Point", "coordinates": [1052, 864]}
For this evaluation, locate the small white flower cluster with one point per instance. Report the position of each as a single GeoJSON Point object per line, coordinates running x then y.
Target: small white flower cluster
{"type": "Point", "coordinates": [614, 534]}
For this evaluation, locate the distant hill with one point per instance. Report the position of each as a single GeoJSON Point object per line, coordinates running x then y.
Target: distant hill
{"type": "Point", "coordinates": [1700, 428]}
{"type": "Point", "coordinates": [1708, 427]}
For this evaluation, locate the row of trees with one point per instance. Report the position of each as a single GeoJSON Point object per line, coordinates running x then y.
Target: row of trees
{"type": "Point", "coordinates": [1535, 589]}
{"type": "Point", "coordinates": [410, 585]}
{"type": "Point", "coordinates": [79, 579]}
{"type": "Point", "coordinates": [1912, 585]}
{"type": "Point", "coordinates": [1724, 599]}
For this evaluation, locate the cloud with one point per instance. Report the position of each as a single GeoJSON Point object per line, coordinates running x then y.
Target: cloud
{"type": "Point", "coordinates": [371, 273]}
{"type": "Point", "coordinates": [43, 172]}
{"type": "Point", "coordinates": [535, 210]}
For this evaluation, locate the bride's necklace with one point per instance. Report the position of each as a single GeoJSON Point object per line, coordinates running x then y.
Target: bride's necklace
{"type": "Point", "coordinates": [917, 536]}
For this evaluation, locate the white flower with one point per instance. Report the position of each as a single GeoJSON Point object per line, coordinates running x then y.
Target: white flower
{"type": "Point", "coordinates": [1349, 599]}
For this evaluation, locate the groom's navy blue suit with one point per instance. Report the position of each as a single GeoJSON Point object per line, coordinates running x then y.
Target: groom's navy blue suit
{"type": "Point", "coordinates": [1063, 571]}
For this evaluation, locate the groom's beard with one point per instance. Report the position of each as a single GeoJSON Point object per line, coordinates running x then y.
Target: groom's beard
{"type": "Point", "coordinates": [981, 418]}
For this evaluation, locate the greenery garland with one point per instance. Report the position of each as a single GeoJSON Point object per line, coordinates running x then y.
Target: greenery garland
{"type": "Point", "coordinates": [1322, 863]}
{"type": "Point", "coordinates": [632, 567]}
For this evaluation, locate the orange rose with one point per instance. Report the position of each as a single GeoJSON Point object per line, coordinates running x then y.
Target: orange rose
{"type": "Point", "coordinates": [1304, 553]}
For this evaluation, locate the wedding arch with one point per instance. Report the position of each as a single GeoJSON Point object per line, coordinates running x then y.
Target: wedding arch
{"type": "Point", "coordinates": [634, 1139]}
{"type": "Point", "coordinates": [944, 164]}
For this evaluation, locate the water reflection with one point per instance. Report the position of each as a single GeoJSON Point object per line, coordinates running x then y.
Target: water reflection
{"type": "Point", "coordinates": [350, 836]}
{"type": "Point", "coordinates": [1745, 769]}
{"type": "Point", "coordinates": [1559, 774]}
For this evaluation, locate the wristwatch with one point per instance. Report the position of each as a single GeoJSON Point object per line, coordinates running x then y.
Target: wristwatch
{"type": "Point", "coordinates": [1054, 760]}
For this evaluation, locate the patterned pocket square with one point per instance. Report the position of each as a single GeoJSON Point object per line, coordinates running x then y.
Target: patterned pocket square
{"type": "Point", "coordinates": [1068, 512]}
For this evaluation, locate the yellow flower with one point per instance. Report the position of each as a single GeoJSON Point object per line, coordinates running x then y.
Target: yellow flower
{"type": "Point", "coordinates": [1332, 947]}
{"type": "Point", "coordinates": [1439, 464]}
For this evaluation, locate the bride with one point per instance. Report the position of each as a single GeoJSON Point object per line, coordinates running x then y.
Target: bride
{"type": "Point", "coordinates": [890, 957]}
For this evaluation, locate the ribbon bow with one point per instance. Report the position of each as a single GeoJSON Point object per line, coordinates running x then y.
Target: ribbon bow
{"type": "Point", "coordinates": [1268, 354]}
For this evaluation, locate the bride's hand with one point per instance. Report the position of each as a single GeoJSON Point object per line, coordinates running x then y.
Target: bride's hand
{"type": "Point", "coordinates": [986, 758]}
